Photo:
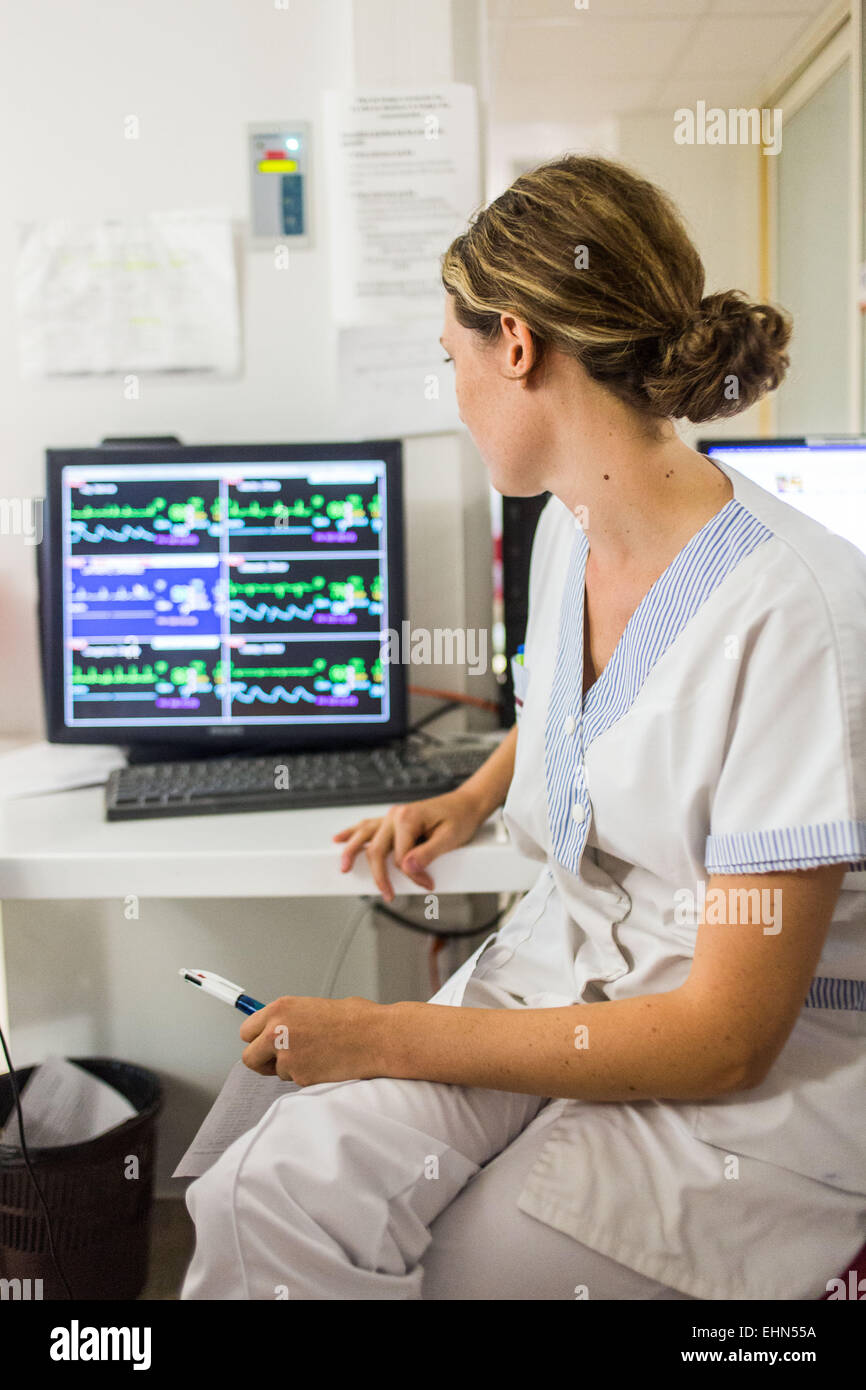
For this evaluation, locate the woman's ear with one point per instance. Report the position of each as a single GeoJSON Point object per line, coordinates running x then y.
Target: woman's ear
{"type": "Point", "coordinates": [518, 345]}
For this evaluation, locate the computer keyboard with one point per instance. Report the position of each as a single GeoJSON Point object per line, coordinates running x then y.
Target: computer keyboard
{"type": "Point", "coordinates": [404, 770]}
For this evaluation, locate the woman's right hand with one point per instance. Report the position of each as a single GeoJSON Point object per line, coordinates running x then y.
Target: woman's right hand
{"type": "Point", "coordinates": [416, 832]}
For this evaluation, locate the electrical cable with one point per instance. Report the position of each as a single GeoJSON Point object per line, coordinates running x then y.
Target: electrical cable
{"type": "Point", "coordinates": [434, 714]}
{"type": "Point", "coordinates": [13, 1081]}
{"type": "Point", "coordinates": [342, 948]}
{"type": "Point", "coordinates": [436, 930]}
{"type": "Point", "coordinates": [434, 951]}
{"type": "Point", "coordinates": [457, 696]}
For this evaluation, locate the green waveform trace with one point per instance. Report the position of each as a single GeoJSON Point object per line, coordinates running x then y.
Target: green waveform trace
{"type": "Point", "coordinates": [352, 586]}
{"type": "Point", "coordinates": [192, 509]}
{"type": "Point", "coordinates": [150, 674]}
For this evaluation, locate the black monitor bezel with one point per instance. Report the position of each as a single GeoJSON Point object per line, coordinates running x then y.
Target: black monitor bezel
{"type": "Point", "coordinates": [212, 739]}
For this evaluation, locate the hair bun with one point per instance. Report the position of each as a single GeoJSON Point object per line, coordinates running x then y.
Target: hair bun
{"type": "Point", "coordinates": [722, 359]}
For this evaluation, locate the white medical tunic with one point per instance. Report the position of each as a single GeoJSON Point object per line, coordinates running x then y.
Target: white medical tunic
{"type": "Point", "coordinates": [726, 735]}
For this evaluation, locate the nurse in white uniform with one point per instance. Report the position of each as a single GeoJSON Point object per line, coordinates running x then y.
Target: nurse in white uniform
{"type": "Point", "coordinates": [650, 1083]}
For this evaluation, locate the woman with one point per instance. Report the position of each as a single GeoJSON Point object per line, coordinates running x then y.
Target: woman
{"type": "Point", "coordinates": [689, 774]}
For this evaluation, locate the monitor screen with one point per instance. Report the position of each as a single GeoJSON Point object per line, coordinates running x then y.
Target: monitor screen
{"type": "Point", "coordinates": [825, 478]}
{"type": "Point", "coordinates": [240, 593]}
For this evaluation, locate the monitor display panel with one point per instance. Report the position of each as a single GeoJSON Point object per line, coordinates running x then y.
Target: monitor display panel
{"type": "Point", "coordinates": [240, 594]}
{"type": "Point", "coordinates": [825, 478]}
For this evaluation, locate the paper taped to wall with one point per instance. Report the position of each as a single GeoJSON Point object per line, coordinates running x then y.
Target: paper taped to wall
{"type": "Point", "coordinates": [152, 294]}
{"type": "Point", "coordinates": [393, 380]}
{"type": "Point", "coordinates": [403, 176]}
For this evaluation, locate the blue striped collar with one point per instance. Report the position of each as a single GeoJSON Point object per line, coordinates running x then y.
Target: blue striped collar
{"type": "Point", "coordinates": [662, 614]}
{"type": "Point", "coordinates": [575, 721]}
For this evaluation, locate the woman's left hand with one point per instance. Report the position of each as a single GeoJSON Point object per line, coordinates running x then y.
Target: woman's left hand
{"type": "Point", "coordinates": [308, 1040]}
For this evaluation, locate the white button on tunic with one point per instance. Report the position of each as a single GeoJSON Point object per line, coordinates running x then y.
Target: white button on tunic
{"type": "Point", "coordinates": [726, 735]}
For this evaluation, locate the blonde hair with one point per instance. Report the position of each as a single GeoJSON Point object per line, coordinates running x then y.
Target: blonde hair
{"type": "Point", "coordinates": [597, 262]}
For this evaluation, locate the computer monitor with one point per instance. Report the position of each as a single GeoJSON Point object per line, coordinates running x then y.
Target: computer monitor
{"type": "Point", "coordinates": [514, 523]}
{"type": "Point", "coordinates": [223, 598]}
{"type": "Point", "coordinates": [823, 477]}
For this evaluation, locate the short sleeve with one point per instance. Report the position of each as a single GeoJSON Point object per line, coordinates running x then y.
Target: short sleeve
{"type": "Point", "coordinates": [790, 792]}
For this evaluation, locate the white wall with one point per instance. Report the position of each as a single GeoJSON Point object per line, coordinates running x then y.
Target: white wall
{"type": "Point", "coordinates": [813, 260]}
{"type": "Point", "coordinates": [514, 146]}
{"type": "Point", "coordinates": [717, 191]}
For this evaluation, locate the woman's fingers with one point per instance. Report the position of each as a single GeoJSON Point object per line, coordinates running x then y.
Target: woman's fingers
{"type": "Point", "coordinates": [410, 825]}
{"type": "Point", "coordinates": [416, 832]}
{"type": "Point", "coordinates": [407, 822]}
{"type": "Point", "coordinates": [415, 863]}
{"type": "Point", "coordinates": [378, 849]}
{"type": "Point", "coordinates": [355, 838]}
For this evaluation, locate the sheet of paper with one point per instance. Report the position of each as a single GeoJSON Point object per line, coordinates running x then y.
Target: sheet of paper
{"type": "Point", "coordinates": [63, 1104]}
{"type": "Point", "coordinates": [241, 1103]}
{"type": "Point", "coordinates": [41, 768]}
{"type": "Point", "coordinates": [152, 294]}
{"type": "Point", "coordinates": [393, 380]}
{"type": "Point", "coordinates": [403, 177]}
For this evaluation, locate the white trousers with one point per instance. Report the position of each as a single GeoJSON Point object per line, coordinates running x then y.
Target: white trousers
{"type": "Point", "coordinates": [390, 1189]}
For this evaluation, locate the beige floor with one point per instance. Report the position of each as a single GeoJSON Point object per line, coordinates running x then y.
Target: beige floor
{"type": "Point", "coordinates": [171, 1244]}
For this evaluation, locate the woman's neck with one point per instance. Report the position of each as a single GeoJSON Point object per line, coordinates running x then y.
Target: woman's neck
{"type": "Point", "coordinates": [638, 500]}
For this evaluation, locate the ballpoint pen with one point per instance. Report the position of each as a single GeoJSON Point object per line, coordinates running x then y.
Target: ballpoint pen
{"type": "Point", "coordinates": [222, 989]}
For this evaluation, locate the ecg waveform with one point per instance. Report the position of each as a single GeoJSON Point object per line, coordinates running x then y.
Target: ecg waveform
{"type": "Point", "coordinates": [135, 515]}
{"type": "Point", "coordinates": [320, 684]}
{"type": "Point", "coordinates": [80, 531]}
{"type": "Point", "coordinates": [171, 524]}
{"type": "Point", "coordinates": [308, 604]}
{"type": "Point", "coordinates": [303, 517]}
{"type": "Point", "coordinates": [150, 600]}
{"type": "Point", "coordinates": [124, 682]}
{"type": "Point", "coordinates": [316, 511]}
{"type": "Point", "coordinates": [160, 510]}
{"type": "Point", "coordinates": [162, 676]}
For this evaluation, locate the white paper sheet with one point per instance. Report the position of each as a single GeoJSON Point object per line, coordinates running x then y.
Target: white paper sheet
{"type": "Point", "coordinates": [394, 381]}
{"type": "Point", "coordinates": [241, 1103]}
{"type": "Point", "coordinates": [41, 768]}
{"type": "Point", "coordinates": [154, 294]}
{"type": "Point", "coordinates": [403, 177]}
{"type": "Point", "coordinates": [63, 1104]}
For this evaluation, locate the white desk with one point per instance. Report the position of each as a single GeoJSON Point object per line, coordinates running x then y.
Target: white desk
{"type": "Point", "coordinates": [60, 847]}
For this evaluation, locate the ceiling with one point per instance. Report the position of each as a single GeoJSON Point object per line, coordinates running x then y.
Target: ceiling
{"type": "Point", "coordinates": [552, 62]}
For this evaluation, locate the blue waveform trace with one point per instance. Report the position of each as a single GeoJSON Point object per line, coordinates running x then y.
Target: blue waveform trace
{"type": "Point", "coordinates": [240, 611]}
{"type": "Point", "coordinates": [80, 531]}
{"type": "Point", "coordinates": [248, 694]}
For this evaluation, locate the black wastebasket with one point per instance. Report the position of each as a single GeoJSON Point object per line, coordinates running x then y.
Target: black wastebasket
{"type": "Point", "coordinates": [98, 1194]}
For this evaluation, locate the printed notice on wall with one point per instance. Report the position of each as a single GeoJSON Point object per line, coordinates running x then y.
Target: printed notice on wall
{"type": "Point", "coordinates": [403, 177]}
{"type": "Point", "coordinates": [152, 294]}
{"type": "Point", "coordinates": [394, 381]}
